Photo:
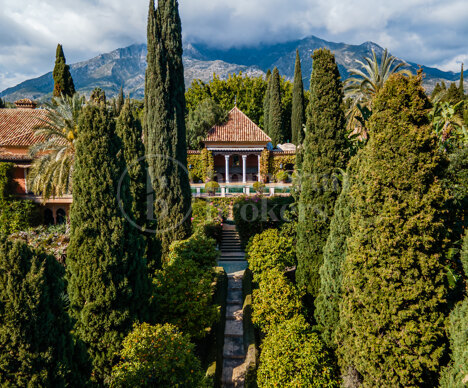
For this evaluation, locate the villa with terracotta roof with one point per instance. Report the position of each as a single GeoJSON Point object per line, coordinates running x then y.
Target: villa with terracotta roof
{"type": "Point", "coordinates": [236, 146]}
{"type": "Point", "coordinates": [17, 135]}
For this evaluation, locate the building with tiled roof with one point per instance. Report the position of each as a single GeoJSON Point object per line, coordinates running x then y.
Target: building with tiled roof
{"type": "Point", "coordinates": [236, 146]}
{"type": "Point", "coordinates": [17, 135]}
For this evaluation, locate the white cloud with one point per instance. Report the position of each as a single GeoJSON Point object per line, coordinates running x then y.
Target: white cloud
{"type": "Point", "coordinates": [430, 32]}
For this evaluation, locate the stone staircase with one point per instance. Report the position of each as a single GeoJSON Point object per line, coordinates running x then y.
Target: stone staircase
{"type": "Point", "coordinates": [233, 260]}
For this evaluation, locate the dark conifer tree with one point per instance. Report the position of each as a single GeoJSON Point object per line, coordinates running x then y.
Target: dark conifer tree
{"type": "Point", "coordinates": [275, 116]}
{"type": "Point", "coordinates": [456, 374]}
{"type": "Point", "coordinates": [436, 91]}
{"type": "Point", "coordinates": [325, 151]}
{"type": "Point", "coordinates": [36, 347]}
{"type": "Point", "coordinates": [327, 311]}
{"type": "Point", "coordinates": [63, 81]}
{"type": "Point", "coordinates": [391, 313]}
{"type": "Point", "coordinates": [298, 109]}
{"type": "Point", "coordinates": [108, 283]}
{"type": "Point", "coordinates": [461, 85]}
{"type": "Point", "coordinates": [119, 101]}
{"type": "Point", "coordinates": [164, 126]}
{"type": "Point", "coordinates": [130, 132]}
{"type": "Point", "coordinates": [266, 105]}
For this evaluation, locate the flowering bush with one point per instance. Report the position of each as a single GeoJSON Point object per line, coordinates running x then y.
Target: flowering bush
{"type": "Point", "coordinates": [52, 239]}
{"type": "Point", "coordinates": [294, 356]}
{"type": "Point", "coordinates": [270, 249]}
{"type": "Point", "coordinates": [183, 295]}
{"type": "Point", "coordinates": [157, 356]}
{"type": "Point", "coordinates": [275, 300]}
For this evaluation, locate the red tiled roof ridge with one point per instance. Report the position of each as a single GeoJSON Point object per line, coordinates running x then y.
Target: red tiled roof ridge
{"type": "Point", "coordinates": [17, 126]}
{"type": "Point", "coordinates": [238, 128]}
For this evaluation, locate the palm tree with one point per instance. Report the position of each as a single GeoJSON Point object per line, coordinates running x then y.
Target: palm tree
{"type": "Point", "coordinates": [364, 84]}
{"type": "Point", "coordinates": [51, 171]}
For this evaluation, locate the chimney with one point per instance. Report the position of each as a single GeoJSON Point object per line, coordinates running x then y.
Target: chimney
{"type": "Point", "coordinates": [25, 103]}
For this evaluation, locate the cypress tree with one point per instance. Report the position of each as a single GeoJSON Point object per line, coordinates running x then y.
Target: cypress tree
{"type": "Point", "coordinates": [324, 152]}
{"type": "Point", "coordinates": [266, 105]}
{"type": "Point", "coordinates": [436, 91]}
{"type": "Point", "coordinates": [36, 347]}
{"type": "Point", "coordinates": [327, 312]}
{"type": "Point", "coordinates": [120, 101]}
{"type": "Point", "coordinates": [165, 133]}
{"type": "Point", "coordinates": [391, 314]}
{"type": "Point", "coordinates": [298, 112]}
{"type": "Point", "coordinates": [130, 133]}
{"type": "Point", "coordinates": [456, 374]}
{"type": "Point", "coordinates": [461, 86]}
{"type": "Point", "coordinates": [108, 286]}
{"type": "Point", "coordinates": [63, 81]}
{"type": "Point", "coordinates": [275, 116]}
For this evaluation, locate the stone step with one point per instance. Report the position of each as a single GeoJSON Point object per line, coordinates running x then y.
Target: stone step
{"type": "Point", "coordinates": [234, 329]}
{"type": "Point", "coordinates": [233, 373]}
{"type": "Point", "coordinates": [234, 254]}
{"type": "Point", "coordinates": [234, 296]}
{"type": "Point", "coordinates": [233, 348]}
{"type": "Point", "coordinates": [234, 312]}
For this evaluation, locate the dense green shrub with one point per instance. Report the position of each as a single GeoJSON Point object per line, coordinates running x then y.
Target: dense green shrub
{"type": "Point", "coordinates": [157, 356]}
{"type": "Point", "coordinates": [207, 219]}
{"type": "Point", "coordinates": [294, 356]}
{"type": "Point", "coordinates": [394, 285]}
{"type": "Point", "coordinates": [268, 250]}
{"type": "Point", "coordinates": [198, 248]}
{"type": "Point", "coordinates": [253, 215]}
{"type": "Point", "coordinates": [36, 347]}
{"type": "Point", "coordinates": [211, 187]}
{"type": "Point", "coordinates": [275, 300]}
{"type": "Point", "coordinates": [281, 176]}
{"type": "Point", "coordinates": [327, 308]}
{"type": "Point", "coordinates": [456, 374]}
{"type": "Point", "coordinates": [108, 283]}
{"type": "Point", "coordinates": [325, 151]}
{"type": "Point", "coordinates": [183, 296]}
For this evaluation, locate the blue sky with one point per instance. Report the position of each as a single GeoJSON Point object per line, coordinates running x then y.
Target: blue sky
{"type": "Point", "coordinates": [429, 32]}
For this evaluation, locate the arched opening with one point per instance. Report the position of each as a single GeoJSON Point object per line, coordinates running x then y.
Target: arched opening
{"type": "Point", "coordinates": [289, 167]}
{"type": "Point", "coordinates": [235, 178]}
{"type": "Point", "coordinates": [61, 216]}
{"type": "Point", "coordinates": [48, 217]}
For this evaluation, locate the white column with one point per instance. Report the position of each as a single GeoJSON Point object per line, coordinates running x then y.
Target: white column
{"type": "Point", "coordinates": [226, 157]}
{"type": "Point", "coordinates": [244, 168]}
{"type": "Point", "coordinates": [259, 178]}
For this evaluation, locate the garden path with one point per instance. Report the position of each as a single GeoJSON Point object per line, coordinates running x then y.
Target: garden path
{"type": "Point", "coordinates": [233, 260]}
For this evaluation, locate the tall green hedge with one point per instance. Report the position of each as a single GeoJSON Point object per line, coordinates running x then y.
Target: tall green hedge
{"type": "Point", "coordinates": [391, 314]}
{"type": "Point", "coordinates": [108, 284]}
{"type": "Point", "coordinates": [456, 374]}
{"type": "Point", "coordinates": [36, 345]}
{"type": "Point", "coordinates": [325, 151]}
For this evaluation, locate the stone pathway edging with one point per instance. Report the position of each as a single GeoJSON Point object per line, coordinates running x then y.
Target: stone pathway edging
{"type": "Point", "coordinates": [233, 260]}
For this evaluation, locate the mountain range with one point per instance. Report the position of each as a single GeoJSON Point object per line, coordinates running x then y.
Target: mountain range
{"type": "Point", "coordinates": [126, 66]}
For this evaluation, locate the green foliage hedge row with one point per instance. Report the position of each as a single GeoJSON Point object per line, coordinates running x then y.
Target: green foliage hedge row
{"type": "Point", "coordinates": [293, 356]}
{"type": "Point", "coordinates": [253, 215]}
{"type": "Point", "coordinates": [270, 249]}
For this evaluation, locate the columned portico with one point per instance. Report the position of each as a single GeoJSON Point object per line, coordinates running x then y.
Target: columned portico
{"type": "Point", "coordinates": [226, 157]}
{"type": "Point", "coordinates": [244, 168]}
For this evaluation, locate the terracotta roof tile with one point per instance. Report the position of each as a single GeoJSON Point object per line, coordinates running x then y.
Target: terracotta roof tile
{"type": "Point", "coordinates": [17, 126]}
{"type": "Point", "coordinates": [238, 128]}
